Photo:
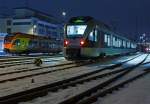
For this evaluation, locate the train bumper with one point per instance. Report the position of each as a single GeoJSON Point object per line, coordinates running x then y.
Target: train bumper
{"type": "Point", "coordinates": [72, 53]}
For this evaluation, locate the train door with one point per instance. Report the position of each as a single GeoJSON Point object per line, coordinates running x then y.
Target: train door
{"type": "Point", "coordinates": [93, 38]}
{"type": "Point", "coordinates": [101, 39]}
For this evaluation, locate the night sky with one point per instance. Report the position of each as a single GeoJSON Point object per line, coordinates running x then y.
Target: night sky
{"type": "Point", "coordinates": [131, 17]}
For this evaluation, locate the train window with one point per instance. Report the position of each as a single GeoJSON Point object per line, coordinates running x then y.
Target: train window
{"type": "Point", "coordinates": [75, 30]}
{"type": "Point", "coordinates": [132, 46]}
{"type": "Point", "coordinates": [114, 42]}
{"type": "Point", "coordinates": [42, 44]}
{"type": "Point", "coordinates": [7, 40]}
{"type": "Point", "coordinates": [92, 36]}
{"type": "Point", "coordinates": [128, 44]}
{"type": "Point", "coordinates": [30, 43]}
{"type": "Point", "coordinates": [119, 42]}
{"type": "Point", "coordinates": [105, 38]}
{"type": "Point", "coordinates": [124, 44]}
{"type": "Point", "coordinates": [45, 44]}
{"type": "Point", "coordinates": [16, 42]}
{"type": "Point", "coordinates": [96, 34]}
{"type": "Point", "coordinates": [33, 43]}
{"type": "Point", "coordinates": [108, 39]}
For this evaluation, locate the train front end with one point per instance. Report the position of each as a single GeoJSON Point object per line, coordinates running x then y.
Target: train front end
{"type": "Point", "coordinates": [74, 38]}
{"type": "Point", "coordinates": [8, 43]}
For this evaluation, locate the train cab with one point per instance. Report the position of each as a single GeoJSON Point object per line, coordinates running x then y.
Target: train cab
{"type": "Point", "coordinates": [8, 42]}
{"type": "Point", "coordinates": [78, 36]}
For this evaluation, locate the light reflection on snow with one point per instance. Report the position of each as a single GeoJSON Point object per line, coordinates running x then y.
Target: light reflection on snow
{"type": "Point", "coordinates": [136, 60]}
{"type": "Point", "coordinates": [147, 60]}
{"type": "Point", "coordinates": [122, 59]}
{"type": "Point", "coordinates": [53, 61]}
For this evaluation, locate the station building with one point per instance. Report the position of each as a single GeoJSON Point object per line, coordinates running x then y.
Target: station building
{"type": "Point", "coordinates": [30, 21]}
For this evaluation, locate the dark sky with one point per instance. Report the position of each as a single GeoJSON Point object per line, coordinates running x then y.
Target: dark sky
{"type": "Point", "coordinates": [127, 16]}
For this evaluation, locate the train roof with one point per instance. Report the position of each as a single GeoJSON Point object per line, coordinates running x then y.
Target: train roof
{"type": "Point", "coordinates": [80, 19]}
{"type": "Point", "coordinates": [24, 35]}
{"type": "Point", "coordinates": [86, 19]}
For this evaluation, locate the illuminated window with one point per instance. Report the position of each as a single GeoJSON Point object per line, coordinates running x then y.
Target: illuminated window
{"type": "Point", "coordinates": [108, 39]}
{"type": "Point", "coordinates": [119, 42]}
{"type": "Point", "coordinates": [105, 38]}
{"type": "Point", "coordinates": [76, 29]}
{"type": "Point", "coordinates": [17, 42]}
{"type": "Point", "coordinates": [124, 44]}
{"type": "Point", "coordinates": [128, 44]}
{"type": "Point", "coordinates": [96, 34]}
{"type": "Point", "coordinates": [114, 41]}
{"type": "Point", "coordinates": [92, 36]}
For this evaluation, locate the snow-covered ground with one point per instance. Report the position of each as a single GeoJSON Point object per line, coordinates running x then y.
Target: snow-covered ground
{"type": "Point", "coordinates": [55, 98]}
{"type": "Point", "coordinates": [137, 92]}
{"type": "Point", "coordinates": [49, 78]}
{"type": "Point", "coordinates": [135, 61]}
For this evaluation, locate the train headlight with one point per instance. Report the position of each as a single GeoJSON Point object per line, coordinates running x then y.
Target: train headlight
{"type": "Point", "coordinates": [82, 42]}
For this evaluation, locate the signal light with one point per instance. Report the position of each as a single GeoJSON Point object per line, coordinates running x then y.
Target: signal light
{"type": "Point", "coordinates": [66, 42]}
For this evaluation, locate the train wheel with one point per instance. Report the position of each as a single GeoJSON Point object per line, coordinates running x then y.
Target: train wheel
{"type": "Point", "coordinates": [102, 55]}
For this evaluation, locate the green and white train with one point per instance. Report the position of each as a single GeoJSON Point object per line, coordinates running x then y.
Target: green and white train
{"type": "Point", "coordinates": [87, 38]}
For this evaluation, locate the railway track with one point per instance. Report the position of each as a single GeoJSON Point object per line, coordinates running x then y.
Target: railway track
{"type": "Point", "coordinates": [41, 72]}
{"type": "Point", "coordinates": [17, 97]}
{"type": "Point", "coordinates": [23, 61]}
{"type": "Point", "coordinates": [71, 65]}
{"type": "Point", "coordinates": [91, 95]}
{"type": "Point", "coordinates": [18, 58]}
{"type": "Point", "coordinates": [15, 61]}
{"type": "Point", "coordinates": [22, 69]}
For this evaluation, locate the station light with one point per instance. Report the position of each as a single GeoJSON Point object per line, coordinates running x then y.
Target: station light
{"type": "Point", "coordinates": [64, 13]}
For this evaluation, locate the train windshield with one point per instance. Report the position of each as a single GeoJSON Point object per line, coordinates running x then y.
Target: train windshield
{"type": "Point", "coordinates": [8, 38]}
{"type": "Point", "coordinates": [75, 30]}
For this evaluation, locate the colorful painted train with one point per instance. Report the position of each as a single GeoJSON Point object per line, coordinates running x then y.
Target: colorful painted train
{"type": "Point", "coordinates": [20, 43]}
{"type": "Point", "coordinates": [87, 38]}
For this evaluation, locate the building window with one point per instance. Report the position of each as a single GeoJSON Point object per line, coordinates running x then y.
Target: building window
{"type": "Point", "coordinates": [41, 25]}
{"type": "Point", "coordinates": [8, 30]}
{"type": "Point", "coordinates": [8, 22]}
{"type": "Point", "coordinates": [21, 23]}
